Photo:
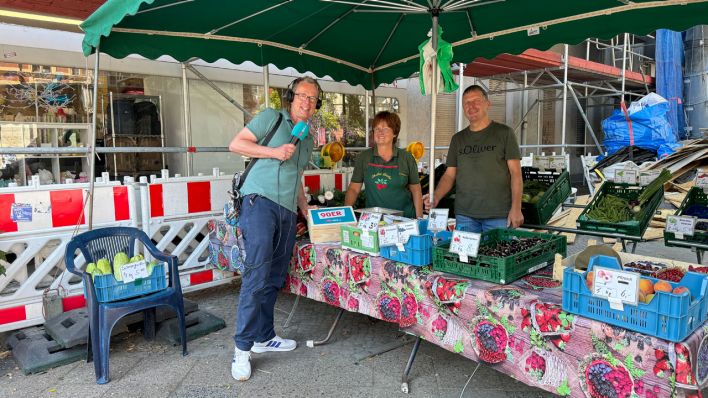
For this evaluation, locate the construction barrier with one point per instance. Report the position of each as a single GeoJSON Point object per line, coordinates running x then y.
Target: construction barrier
{"type": "Point", "coordinates": [318, 180]}
{"type": "Point", "coordinates": [175, 212]}
{"type": "Point", "coordinates": [36, 223]}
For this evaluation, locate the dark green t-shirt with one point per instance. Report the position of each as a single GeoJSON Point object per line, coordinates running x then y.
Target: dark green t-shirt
{"type": "Point", "coordinates": [386, 183]}
{"type": "Point", "coordinates": [483, 181]}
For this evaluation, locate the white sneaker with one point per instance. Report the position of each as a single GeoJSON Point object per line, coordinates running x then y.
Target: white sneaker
{"type": "Point", "coordinates": [277, 343]}
{"type": "Point", "coordinates": [241, 365]}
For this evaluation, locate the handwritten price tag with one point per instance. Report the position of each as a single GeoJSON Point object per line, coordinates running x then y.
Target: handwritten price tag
{"type": "Point", "coordinates": [133, 271]}
{"type": "Point", "coordinates": [616, 286]}
{"type": "Point", "coordinates": [438, 220]}
{"type": "Point", "coordinates": [702, 179]}
{"type": "Point", "coordinates": [556, 162]}
{"type": "Point", "coordinates": [388, 235]}
{"type": "Point", "coordinates": [406, 230]}
{"type": "Point", "coordinates": [646, 177]}
{"type": "Point", "coordinates": [466, 244]}
{"type": "Point", "coordinates": [681, 225]}
{"type": "Point", "coordinates": [541, 162]}
{"type": "Point", "coordinates": [369, 221]}
{"type": "Point", "coordinates": [626, 176]}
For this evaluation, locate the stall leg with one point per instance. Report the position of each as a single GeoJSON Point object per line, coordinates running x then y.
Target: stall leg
{"type": "Point", "coordinates": [312, 343]}
{"type": "Point", "coordinates": [624, 245]}
{"type": "Point", "coordinates": [634, 246]}
{"type": "Point", "coordinates": [292, 312]}
{"type": "Point", "coordinates": [409, 365]}
{"type": "Point", "coordinates": [699, 256]}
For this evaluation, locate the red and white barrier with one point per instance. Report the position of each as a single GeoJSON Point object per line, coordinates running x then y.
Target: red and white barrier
{"type": "Point", "coordinates": [45, 219]}
{"type": "Point", "coordinates": [175, 213]}
{"type": "Point", "coordinates": [317, 180]}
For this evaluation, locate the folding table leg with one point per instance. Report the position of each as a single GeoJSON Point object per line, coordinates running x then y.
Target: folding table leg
{"type": "Point", "coordinates": [292, 312]}
{"type": "Point", "coordinates": [312, 343]}
{"type": "Point", "coordinates": [409, 365]}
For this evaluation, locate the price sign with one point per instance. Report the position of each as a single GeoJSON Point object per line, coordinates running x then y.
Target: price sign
{"type": "Point", "coordinates": [646, 177]}
{"type": "Point", "coordinates": [556, 162]}
{"type": "Point", "coordinates": [702, 179]}
{"type": "Point", "coordinates": [133, 271]}
{"type": "Point", "coordinates": [541, 162]}
{"type": "Point", "coordinates": [405, 230]}
{"type": "Point", "coordinates": [681, 225]}
{"type": "Point", "coordinates": [616, 286]}
{"type": "Point", "coordinates": [388, 235]}
{"type": "Point", "coordinates": [626, 176]}
{"type": "Point", "coordinates": [438, 220]}
{"type": "Point", "coordinates": [21, 212]}
{"type": "Point", "coordinates": [466, 244]}
{"type": "Point", "coordinates": [369, 221]}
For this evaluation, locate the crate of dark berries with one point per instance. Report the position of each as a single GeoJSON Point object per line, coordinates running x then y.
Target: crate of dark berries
{"type": "Point", "coordinates": [694, 205]}
{"type": "Point", "coordinates": [544, 191]}
{"type": "Point", "coordinates": [504, 255]}
{"type": "Point", "coordinates": [621, 209]}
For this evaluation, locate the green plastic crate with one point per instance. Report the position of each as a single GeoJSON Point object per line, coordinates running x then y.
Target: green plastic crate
{"type": "Point", "coordinates": [695, 196]}
{"type": "Point", "coordinates": [361, 241]}
{"type": "Point", "coordinates": [501, 270]}
{"type": "Point", "coordinates": [635, 227]}
{"type": "Point", "coordinates": [559, 188]}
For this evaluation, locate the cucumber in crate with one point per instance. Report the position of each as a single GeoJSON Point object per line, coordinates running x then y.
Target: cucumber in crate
{"type": "Point", "coordinates": [109, 279]}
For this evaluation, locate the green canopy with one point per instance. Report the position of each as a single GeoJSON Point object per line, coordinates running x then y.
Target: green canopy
{"type": "Point", "coordinates": [365, 42]}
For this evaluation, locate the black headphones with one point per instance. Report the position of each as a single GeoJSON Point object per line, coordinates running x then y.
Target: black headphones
{"type": "Point", "coordinates": [290, 92]}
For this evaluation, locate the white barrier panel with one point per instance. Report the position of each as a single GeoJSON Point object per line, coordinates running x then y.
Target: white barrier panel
{"type": "Point", "coordinates": [175, 213]}
{"type": "Point", "coordinates": [36, 223]}
{"type": "Point", "coordinates": [317, 180]}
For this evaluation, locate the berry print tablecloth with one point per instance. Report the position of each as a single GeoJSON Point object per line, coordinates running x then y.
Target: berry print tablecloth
{"type": "Point", "coordinates": [519, 329]}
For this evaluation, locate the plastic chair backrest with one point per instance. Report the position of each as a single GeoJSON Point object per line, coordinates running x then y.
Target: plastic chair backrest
{"type": "Point", "coordinates": [103, 243]}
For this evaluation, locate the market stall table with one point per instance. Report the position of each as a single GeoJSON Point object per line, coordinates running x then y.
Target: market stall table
{"type": "Point", "coordinates": [518, 329]}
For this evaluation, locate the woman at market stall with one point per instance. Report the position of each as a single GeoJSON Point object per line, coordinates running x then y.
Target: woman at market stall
{"type": "Point", "coordinates": [388, 173]}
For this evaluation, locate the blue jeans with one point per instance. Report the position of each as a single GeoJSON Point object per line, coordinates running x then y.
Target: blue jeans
{"type": "Point", "coordinates": [269, 237]}
{"type": "Point", "coordinates": [478, 225]}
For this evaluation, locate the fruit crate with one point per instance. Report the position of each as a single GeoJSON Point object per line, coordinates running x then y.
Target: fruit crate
{"type": "Point", "coordinates": [559, 188]}
{"type": "Point", "coordinates": [361, 241]}
{"type": "Point", "coordinates": [667, 316]}
{"type": "Point", "coordinates": [419, 248]}
{"type": "Point", "coordinates": [501, 270]}
{"type": "Point", "coordinates": [695, 197]}
{"type": "Point", "coordinates": [109, 289]}
{"type": "Point", "coordinates": [634, 227]}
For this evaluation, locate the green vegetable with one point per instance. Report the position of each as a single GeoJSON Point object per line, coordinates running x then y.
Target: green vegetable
{"type": "Point", "coordinates": [136, 258]}
{"type": "Point", "coordinates": [152, 264]}
{"type": "Point", "coordinates": [103, 266]}
{"type": "Point", "coordinates": [119, 261]}
{"type": "Point", "coordinates": [654, 186]}
{"type": "Point", "coordinates": [91, 268]}
{"type": "Point", "coordinates": [611, 209]}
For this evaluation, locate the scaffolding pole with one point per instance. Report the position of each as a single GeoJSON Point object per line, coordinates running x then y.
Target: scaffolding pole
{"type": "Point", "coordinates": [92, 148]}
{"type": "Point", "coordinates": [187, 118]}
{"type": "Point", "coordinates": [565, 97]}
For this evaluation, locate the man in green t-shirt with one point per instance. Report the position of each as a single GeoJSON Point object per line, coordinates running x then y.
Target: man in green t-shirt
{"type": "Point", "coordinates": [488, 184]}
{"type": "Point", "coordinates": [271, 194]}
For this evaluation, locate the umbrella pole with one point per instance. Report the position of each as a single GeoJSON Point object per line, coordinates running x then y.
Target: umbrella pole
{"type": "Point", "coordinates": [92, 149]}
{"type": "Point", "coordinates": [433, 110]}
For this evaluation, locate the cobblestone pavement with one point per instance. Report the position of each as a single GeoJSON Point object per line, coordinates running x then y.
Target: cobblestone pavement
{"type": "Point", "coordinates": [343, 368]}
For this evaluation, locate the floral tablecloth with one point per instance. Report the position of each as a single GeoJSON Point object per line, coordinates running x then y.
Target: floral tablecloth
{"type": "Point", "coordinates": [519, 329]}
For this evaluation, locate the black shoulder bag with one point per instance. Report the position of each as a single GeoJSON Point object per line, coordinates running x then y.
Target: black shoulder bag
{"type": "Point", "coordinates": [233, 207]}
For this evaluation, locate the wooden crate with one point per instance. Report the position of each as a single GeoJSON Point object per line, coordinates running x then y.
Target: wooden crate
{"type": "Point", "coordinates": [324, 225]}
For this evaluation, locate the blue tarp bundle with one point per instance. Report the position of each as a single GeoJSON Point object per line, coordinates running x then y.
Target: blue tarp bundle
{"type": "Point", "coordinates": [669, 76]}
{"type": "Point", "coordinates": [650, 127]}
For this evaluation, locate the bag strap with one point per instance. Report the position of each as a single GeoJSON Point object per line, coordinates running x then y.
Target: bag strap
{"type": "Point", "coordinates": [265, 142]}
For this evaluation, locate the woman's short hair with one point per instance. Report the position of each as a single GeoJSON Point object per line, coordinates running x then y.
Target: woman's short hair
{"type": "Point", "coordinates": [392, 120]}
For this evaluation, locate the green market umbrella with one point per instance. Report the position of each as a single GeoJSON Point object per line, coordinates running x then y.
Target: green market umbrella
{"type": "Point", "coordinates": [365, 42]}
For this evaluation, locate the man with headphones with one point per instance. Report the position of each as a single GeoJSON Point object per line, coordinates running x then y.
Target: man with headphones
{"type": "Point", "coordinates": [271, 195]}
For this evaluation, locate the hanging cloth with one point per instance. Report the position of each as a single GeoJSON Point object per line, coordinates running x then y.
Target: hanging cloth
{"type": "Point", "coordinates": [446, 80]}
